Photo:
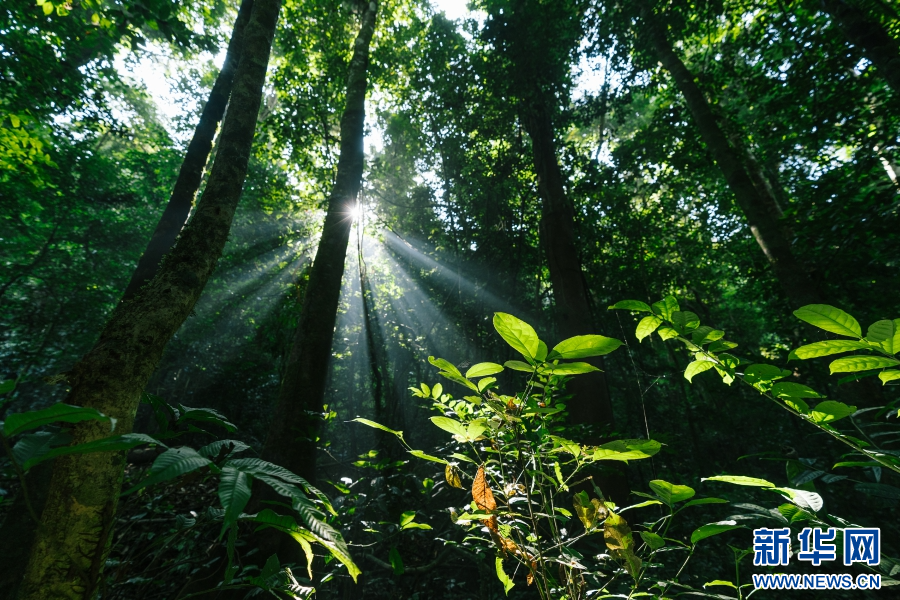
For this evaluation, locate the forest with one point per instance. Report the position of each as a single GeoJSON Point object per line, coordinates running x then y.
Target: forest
{"type": "Point", "coordinates": [449, 299]}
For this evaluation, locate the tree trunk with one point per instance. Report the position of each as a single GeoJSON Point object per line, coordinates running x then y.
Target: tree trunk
{"type": "Point", "coordinates": [875, 42]}
{"type": "Point", "coordinates": [73, 540]}
{"type": "Point", "coordinates": [756, 201]}
{"type": "Point", "coordinates": [291, 441]}
{"type": "Point", "coordinates": [178, 209]}
{"type": "Point", "coordinates": [591, 403]}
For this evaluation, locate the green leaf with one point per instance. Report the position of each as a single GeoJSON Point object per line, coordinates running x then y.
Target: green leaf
{"type": "Point", "coordinates": [396, 561]}
{"type": "Point", "coordinates": [886, 376]}
{"type": "Point", "coordinates": [826, 348]}
{"type": "Point", "coordinates": [700, 501]}
{"type": "Point", "coordinates": [518, 365]}
{"type": "Point", "coordinates": [653, 540]}
{"type": "Point", "coordinates": [34, 445]}
{"type": "Point", "coordinates": [647, 326]}
{"type": "Point", "coordinates": [172, 463]}
{"type": "Point", "coordinates": [502, 576]}
{"type": "Point", "coordinates": [375, 425]}
{"type": "Point", "coordinates": [620, 542]}
{"type": "Point", "coordinates": [422, 455]}
{"type": "Point", "coordinates": [437, 391]}
{"type": "Point", "coordinates": [854, 364]}
{"type": "Point", "coordinates": [541, 353]}
{"type": "Point", "coordinates": [798, 405]}
{"type": "Point", "coordinates": [711, 529]}
{"type": "Point", "coordinates": [444, 365]}
{"type": "Point", "coordinates": [110, 444]}
{"type": "Point", "coordinates": [459, 379]}
{"type": "Point", "coordinates": [802, 498]}
{"type": "Point", "coordinates": [450, 425]}
{"type": "Point", "coordinates": [7, 386]}
{"type": "Point", "coordinates": [585, 346]}
{"type": "Point", "coordinates": [697, 367]}
{"type": "Point", "coordinates": [740, 480]}
{"type": "Point", "coordinates": [212, 450]}
{"type": "Point", "coordinates": [830, 319]}
{"type": "Point", "coordinates": [880, 490]}
{"type": "Point", "coordinates": [830, 411]}
{"type": "Point", "coordinates": [671, 493]}
{"type": "Point", "coordinates": [631, 305]}
{"type": "Point", "coordinates": [685, 321]}
{"type": "Point", "coordinates": [575, 368]}
{"type": "Point", "coordinates": [17, 423]}
{"type": "Point", "coordinates": [666, 307]}
{"type": "Point", "coordinates": [764, 373]}
{"type": "Point", "coordinates": [483, 383]}
{"type": "Point", "coordinates": [625, 450]}
{"type": "Point", "coordinates": [667, 333]}
{"type": "Point", "coordinates": [234, 493]}
{"type": "Point", "coordinates": [706, 334]}
{"type": "Point", "coordinates": [794, 390]}
{"type": "Point", "coordinates": [883, 333]}
{"type": "Point", "coordinates": [721, 345]}
{"type": "Point", "coordinates": [721, 582]}
{"type": "Point", "coordinates": [483, 369]}
{"type": "Point", "coordinates": [517, 333]}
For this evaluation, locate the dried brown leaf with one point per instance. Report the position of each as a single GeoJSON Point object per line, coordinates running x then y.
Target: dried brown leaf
{"type": "Point", "coordinates": [482, 494]}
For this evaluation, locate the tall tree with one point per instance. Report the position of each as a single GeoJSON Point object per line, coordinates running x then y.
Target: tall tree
{"type": "Point", "coordinates": [291, 441]}
{"type": "Point", "coordinates": [73, 539]}
{"type": "Point", "coordinates": [870, 36]}
{"type": "Point", "coordinates": [747, 183]}
{"type": "Point", "coordinates": [177, 210]}
{"type": "Point", "coordinates": [538, 40]}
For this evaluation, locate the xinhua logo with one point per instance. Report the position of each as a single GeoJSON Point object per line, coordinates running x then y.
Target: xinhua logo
{"type": "Point", "coordinates": [772, 547]}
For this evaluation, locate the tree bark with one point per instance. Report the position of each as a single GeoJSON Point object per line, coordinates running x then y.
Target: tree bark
{"type": "Point", "coordinates": [755, 199]}
{"type": "Point", "coordinates": [591, 403]}
{"type": "Point", "coordinates": [73, 540]}
{"type": "Point", "coordinates": [870, 36]}
{"type": "Point", "coordinates": [181, 201]}
{"type": "Point", "coordinates": [291, 441]}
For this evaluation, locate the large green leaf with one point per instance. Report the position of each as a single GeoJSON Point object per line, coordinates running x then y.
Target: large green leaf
{"type": "Point", "coordinates": [826, 348]}
{"type": "Point", "coordinates": [666, 307]}
{"type": "Point", "coordinates": [830, 411]}
{"type": "Point", "coordinates": [706, 334]}
{"type": "Point", "coordinates": [879, 489]}
{"type": "Point", "coordinates": [854, 364]}
{"type": "Point", "coordinates": [647, 326]}
{"type": "Point", "coordinates": [830, 319]}
{"type": "Point", "coordinates": [9, 385]}
{"type": "Point", "coordinates": [459, 379]}
{"type": "Point", "coordinates": [802, 498]}
{"type": "Point", "coordinates": [697, 367]}
{"type": "Point", "coordinates": [17, 423]}
{"type": "Point", "coordinates": [111, 444]}
{"type": "Point", "coordinates": [764, 373]}
{"type": "Point", "coordinates": [631, 305]}
{"type": "Point", "coordinates": [450, 425]}
{"type": "Point", "coordinates": [502, 576]}
{"type": "Point", "coordinates": [172, 463]}
{"type": "Point", "coordinates": [234, 493]}
{"type": "Point", "coordinates": [444, 365]}
{"type": "Point", "coordinates": [671, 493]}
{"type": "Point", "coordinates": [882, 333]}
{"type": "Point", "coordinates": [575, 368]}
{"type": "Point", "coordinates": [720, 345]}
{"type": "Point", "coordinates": [34, 445]}
{"type": "Point", "coordinates": [625, 450]}
{"type": "Point", "coordinates": [740, 480]}
{"type": "Point", "coordinates": [518, 334]}
{"type": "Point", "coordinates": [483, 369]}
{"type": "Point", "coordinates": [518, 365]}
{"type": "Point", "coordinates": [213, 450]}
{"type": "Point", "coordinates": [685, 321]}
{"type": "Point", "coordinates": [585, 346]}
{"type": "Point", "coordinates": [712, 529]}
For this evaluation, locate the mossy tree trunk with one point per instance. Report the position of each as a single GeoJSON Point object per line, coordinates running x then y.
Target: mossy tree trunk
{"type": "Point", "coordinates": [72, 542]}
{"type": "Point", "coordinates": [177, 210]}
